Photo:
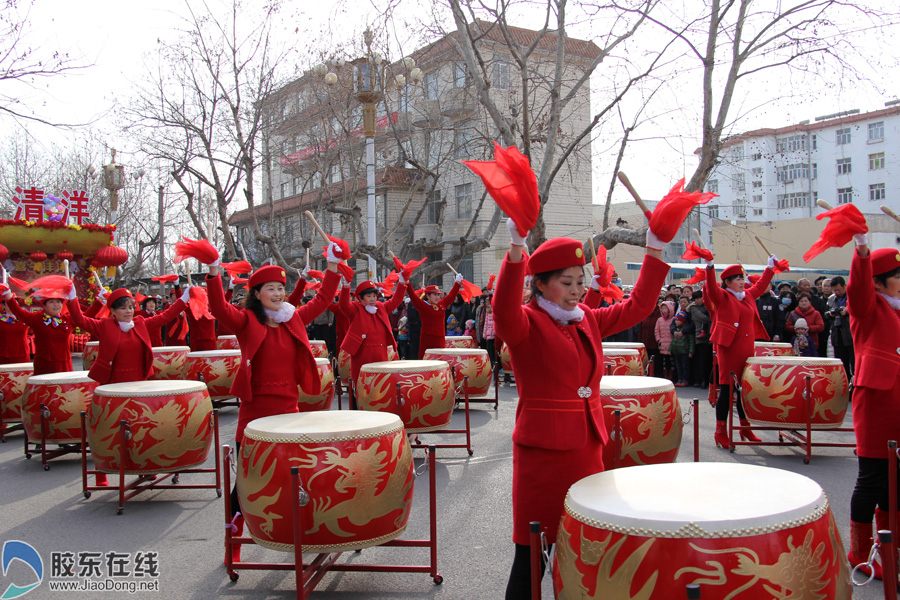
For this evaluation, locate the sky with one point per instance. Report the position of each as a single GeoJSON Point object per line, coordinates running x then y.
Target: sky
{"type": "Point", "coordinates": [116, 39]}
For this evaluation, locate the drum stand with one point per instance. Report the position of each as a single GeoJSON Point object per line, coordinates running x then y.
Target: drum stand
{"type": "Point", "coordinates": [786, 437]}
{"type": "Point", "coordinates": [308, 575]}
{"type": "Point", "coordinates": [616, 434]}
{"type": "Point", "coordinates": [149, 481]}
{"type": "Point", "coordinates": [461, 390]}
{"type": "Point", "coordinates": [48, 455]}
{"type": "Point", "coordinates": [486, 399]}
{"type": "Point", "coordinates": [4, 428]}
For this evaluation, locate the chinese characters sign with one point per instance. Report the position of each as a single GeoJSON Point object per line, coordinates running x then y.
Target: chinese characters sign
{"type": "Point", "coordinates": [33, 205]}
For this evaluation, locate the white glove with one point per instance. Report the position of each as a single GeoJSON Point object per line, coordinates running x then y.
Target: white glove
{"type": "Point", "coordinates": [305, 271]}
{"type": "Point", "coordinates": [458, 278]}
{"type": "Point", "coordinates": [71, 295]}
{"type": "Point", "coordinates": [330, 254]}
{"type": "Point", "coordinates": [231, 283]}
{"type": "Point", "coordinates": [861, 239]}
{"type": "Point", "coordinates": [710, 263]}
{"type": "Point", "coordinates": [101, 295]}
{"type": "Point", "coordinates": [186, 294]}
{"type": "Point", "coordinates": [402, 279]}
{"type": "Point", "coordinates": [654, 242]}
{"type": "Point", "coordinates": [215, 263]}
{"type": "Point", "coordinates": [7, 294]}
{"type": "Point", "coordinates": [514, 238]}
{"type": "Point", "coordinates": [595, 283]}
{"type": "Point", "coordinates": [771, 263]}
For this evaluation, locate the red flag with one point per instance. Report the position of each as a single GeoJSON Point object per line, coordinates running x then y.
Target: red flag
{"type": "Point", "coordinates": [198, 303]}
{"type": "Point", "coordinates": [240, 280]}
{"type": "Point", "coordinates": [693, 252]}
{"type": "Point", "coordinates": [782, 265]}
{"type": "Point", "coordinates": [344, 253]}
{"type": "Point", "coordinates": [19, 283]}
{"type": "Point", "coordinates": [165, 278]}
{"type": "Point", "coordinates": [698, 276]}
{"type": "Point", "coordinates": [202, 250]}
{"type": "Point", "coordinates": [313, 285]}
{"type": "Point", "coordinates": [512, 184]}
{"type": "Point", "coordinates": [409, 267]}
{"type": "Point", "coordinates": [389, 282]}
{"type": "Point", "coordinates": [51, 286]}
{"type": "Point", "coordinates": [468, 290]}
{"type": "Point", "coordinates": [490, 283]}
{"type": "Point", "coordinates": [241, 267]}
{"type": "Point", "coordinates": [673, 209]}
{"type": "Point", "coordinates": [846, 221]}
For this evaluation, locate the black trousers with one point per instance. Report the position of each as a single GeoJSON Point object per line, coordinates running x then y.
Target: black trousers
{"type": "Point", "coordinates": [519, 586]}
{"type": "Point", "coordinates": [722, 404]}
{"type": "Point", "coordinates": [235, 503]}
{"type": "Point", "coordinates": [871, 489]}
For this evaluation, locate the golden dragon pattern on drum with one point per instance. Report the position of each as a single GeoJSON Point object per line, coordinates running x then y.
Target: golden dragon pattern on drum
{"type": "Point", "coordinates": [774, 386]}
{"type": "Point", "coordinates": [255, 479]}
{"type": "Point", "coordinates": [364, 472]}
{"type": "Point", "coordinates": [167, 423]}
{"type": "Point", "coordinates": [652, 425]}
{"type": "Point", "coordinates": [375, 391]}
{"type": "Point", "coordinates": [477, 370]}
{"type": "Point", "coordinates": [835, 394]}
{"type": "Point", "coordinates": [437, 396]}
{"type": "Point", "coordinates": [70, 403]}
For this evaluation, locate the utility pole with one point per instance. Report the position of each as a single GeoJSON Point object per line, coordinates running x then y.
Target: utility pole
{"type": "Point", "coordinates": [162, 240]}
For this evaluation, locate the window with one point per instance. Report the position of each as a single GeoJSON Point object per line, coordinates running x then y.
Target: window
{"type": "Point", "coordinates": [433, 214]}
{"type": "Point", "coordinates": [500, 74]}
{"type": "Point", "coordinates": [466, 268]}
{"type": "Point", "coordinates": [815, 170]}
{"type": "Point", "coordinates": [795, 200]}
{"type": "Point", "coordinates": [464, 201]}
{"type": "Point", "coordinates": [876, 132]}
{"type": "Point", "coordinates": [793, 143]}
{"type": "Point", "coordinates": [756, 156]}
{"type": "Point", "coordinates": [740, 207]}
{"type": "Point", "coordinates": [738, 153]}
{"type": "Point", "coordinates": [756, 171]}
{"type": "Point", "coordinates": [459, 74]}
{"type": "Point", "coordinates": [844, 195]}
{"type": "Point", "coordinates": [297, 185]}
{"type": "Point", "coordinates": [334, 175]}
{"type": "Point", "coordinates": [434, 149]}
{"type": "Point", "coordinates": [737, 181]}
{"type": "Point", "coordinates": [843, 166]}
{"type": "Point", "coordinates": [431, 85]}
{"type": "Point", "coordinates": [876, 161]}
{"type": "Point", "coordinates": [315, 181]}
{"type": "Point", "coordinates": [713, 211]}
{"type": "Point", "coordinates": [757, 184]}
{"type": "Point", "coordinates": [842, 136]}
{"type": "Point", "coordinates": [285, 189]}
{"type": "Point", "coordinates": [815, 142]}
{"type": "Point", "coordinates": [792, 172]}
{"type": "Point", "coordinates": [462, 143]}
{"type": "Point", "coordinates": [406, 153]}
{"type": "Point", "coordinates": [712, 186]}
{"type": "Point", "coordinates": [403, 99]}
{"type": "Point", "coordinates": [757, 198]}
{"type": "Point", "coordinates": [435, 257]}
{"type": "Point", "coordinates": [876, 191]}
{"type": "Point", "coordinates": [757, 212]}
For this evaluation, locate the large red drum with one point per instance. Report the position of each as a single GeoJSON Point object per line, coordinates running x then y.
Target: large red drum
{"type": "Point", "coordinates": [170, 425]}
{"type": "Point", "coordinates": [322, 400]}
{"type": "Point", "coordinates": [426, 390]}
{"type": "Point", "coordinates": [459, 341]}
{"type": "Point", "coordinates": [772, 349]}
{"type": "Point", "coordinates": [89, 355]}
{"type": "Point", "coordinates": [65, 395]}
{"type": "Point", "coordinates": [319, 348]}
{"type": "Point", "coordinates": [645, 358]}
{"type": "Point", "coordinates": [772, 391]}
{"type": "Point", "coordinates": [356, 467]}
{"type": "Point", "coordinates": [168, 362]}
{"type": "Point", "coordinates": [505, 358]}
{"type": "Point", "coordinates": [227, 342]}
{"type": "Point", "coordinates": [740, 531]}
{"type": "Point", "coordinates": [215, 368]}
{"type": "Point", "coordinates": [12, 387]}
{"type": "Point", "coordinates": [619, 361]}
{"type": "Point", "coordinates": [344, 365]}
{"type": "Point", "coordinates": [650, 418]}
{"type": "Point", "coordinates": [471, 362]}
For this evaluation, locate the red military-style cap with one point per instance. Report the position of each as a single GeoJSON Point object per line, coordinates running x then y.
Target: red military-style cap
{"type": "Point", "coordinates": [364, 287]}
{"type": "Point", "coordinates": [731, 271]}
{"type": "Point", "coordinates": [267, 274]}
{"type": "Point", "coordinates": [432, 289]}
{"type": "Point", "coordinates": [116, 294]}
{"type": "Point", "coordinates": [885, 260]}
{"type": "Point", "coordinates": [558, 253]}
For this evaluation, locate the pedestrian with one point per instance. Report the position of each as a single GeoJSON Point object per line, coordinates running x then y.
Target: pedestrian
{"type": "Point", "coordinates": [682, 349]}
{"type": "Point", "coordinates": [403, 338]}
{"type": "Point", "coordinates": [664, 340]}
{"type": "Point", "coordinates": [804, 344]}
{"type": "Point", "coordinates": [702, 366]}
{"type": "Point", "coordinates": [488, 332]}
{"type": "Point", "coordinates": [51, 329]}
{"type": "Point", "coordinates": [806, 311]}
{"type": "Point", "coordinates": [841, 337]}
{"type": "Point", "coordinates": [767, 306]}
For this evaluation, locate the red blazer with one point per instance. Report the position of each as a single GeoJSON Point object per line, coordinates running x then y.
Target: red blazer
{"type": "Point", "coordinates": [251, 334]}
{"type": "Point", "coordinates": [14, 342]}
{"type": "Point", "coordinates": [203, 332]}
{"type": "Point", "coordinates": [154, 330]}
{"type": "Point", "coordinates": [51, 344]}
{"type": "Point", "coordinates": [726, 308]}
{"type": "Point", "coordinates": [550, 414]}
{"type": "Point", "coordinates": [593, 298]}
{"type": "Point", "coordinates": [432, 316]}
{"type": "Point", "coordinates": [109, 334]}
{"type": "Point", "coordinates": [341, 322]}
{"type": "Point", "coordinates": [356, 332]}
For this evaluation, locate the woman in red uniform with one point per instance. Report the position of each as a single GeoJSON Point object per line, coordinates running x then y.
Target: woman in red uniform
{"type": "Point", "coordinates": [202, 332]}
{"type": "Point", "coordinates": [735, 326]}
{"type": "Point", "coordinates": [177, 328]}
{"type": "Point", "coordinates": [557, 356]}
{"type": "Point", "coordinates": [52, 333]}
{"type": "Point", "coordinates": [13, 340]}
{"type": "Point", "coordinates": [369, 333]}
{"type": "Point", "coordinates": [125, 352]}
{"type": "Point", "coordinates": [431, 312]}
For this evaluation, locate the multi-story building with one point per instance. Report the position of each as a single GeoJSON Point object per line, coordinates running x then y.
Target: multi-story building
{"type": "Point", "coordinates": [778, 174]}
{"type": "Point", "coordinates": [427, 203]}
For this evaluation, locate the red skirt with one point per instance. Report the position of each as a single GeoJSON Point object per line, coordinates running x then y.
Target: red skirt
{"type": "Point", "coordinates": [429, 341]}
{"type": "Point", "coordinates": [261, 405]}
{"type": "Point", "coordinates": [541, 480]}
{"type": "Point", "coordinates": [366, 355]}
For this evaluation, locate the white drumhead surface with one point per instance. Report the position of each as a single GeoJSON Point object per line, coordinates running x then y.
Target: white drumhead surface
{"type": "Point", "coordinates": [149, 388]}
{"type": "Point", "coordinates": [772, 345]}
{"type": "Point", "coordinates": [624, 345]}
{"type": "Point", "coordinates": [214, 353]}
{"type": "Point", "coordinates": [54, 378]}
{"type": "Point", "coordinates": [456, 351]}
{"type": "Point", "coordinates": [318, 342]}
{"type": "Point", "coordinates": [630, 384]}
{"type": "Point", "coordinates": [405, 366]}
{"type": "Point", "coordinates": [92, 344]}
{"type": "Point", "coordinates": [794, 360]}
{"type": "Point", "coordinates": [161, 349]}
{"type": "Point", "coordinates": [226, 337]}
{"type": "Point", "coordinates": [322, 361]}
{"type": "Point", "coordinates": [467, 338]}
{"type": "Point", "coordinates": [17, 367]}
{"type": "Point", "coordinates": [323, 425]}
{"type": "Point", "coordinates": [712, 497]}
{"type": "Point", "coordinates": [620, 351]}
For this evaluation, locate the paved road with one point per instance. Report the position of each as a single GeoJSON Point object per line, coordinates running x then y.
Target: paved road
{"type": "Point", "coordinates": [185, 527]}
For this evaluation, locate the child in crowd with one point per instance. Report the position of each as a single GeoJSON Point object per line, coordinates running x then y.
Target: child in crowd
{"type": "Point", "coordinates": [470, 328]}
{"type": "Point", "coordinates": [682, 349]}
{"type": "Point", "coordinates": [664, 339]}
{"type": "Point", "coordinates": [453, 327]}
{"type": "Point", "coordinates": [804, 343]}
{"type": "Point", "coordinates": [403, 338]}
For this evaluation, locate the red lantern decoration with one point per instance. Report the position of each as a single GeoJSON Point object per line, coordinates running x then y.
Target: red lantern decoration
{"type": "Point", "coordinates": [4, 253]}
{"type": "Point", "coordinates": [65, 255]}
{"type": "Point", "coordinates": [38, 258]}
{"type": "Point", "coordinates": [110, 256]}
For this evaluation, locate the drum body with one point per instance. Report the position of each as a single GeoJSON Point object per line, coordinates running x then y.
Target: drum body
{"type": "Point", "coordinates": [356, 467]}
{"type": "Point", "coordinates": [741, 531]}
{"type": "Point", "coordinates": [772, 349]}
{"type": "Point", "coordinates": [168, 362]}
{"type": "Point", "coordinates": [319, 348]}
{"type": "Point", "coordinates": [169, 420]}
{"type": "Point", "coordinates": [227, 342]}
{"type": "Point", "coordinates": [426, 390]}
{"type": "Point", "coordinates": [344, 365]}
{"type": "Point", "coordinates": [89, 355]}
{"type": "Point", "coordinates": [650, 418]}
{"type": "Point", "coordinates": [622, 361]}
{"type": "Point", "coordinates": [772, 390]}
{"type": "Point", "coordinates": [65, 395]}
{"type": "Point", "coordinates": [215, 368]}
{"type": "Point", "coordinates": [471, 362]}
{"type": "Point", "coordinates": [505, 358]}
{"type": "Point", "coordinates": [322, 400]}
{"type": "Point", "coordinates": [459, 341]}
{"type": "Point", "coordinates": [645, 358]}
{"type": "Point", "coordinates": [12, 387]}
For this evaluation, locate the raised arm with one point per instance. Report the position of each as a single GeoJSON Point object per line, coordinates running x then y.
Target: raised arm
{"type": "Point", "coordinates": [232, 317]}
{"type": "Point", "coordinates": [510, 321]}
{"type": "Point", "coordinates": [420, 304]}
{"type": "Point", "coordinates": [32, 319]}
{"type": "Point", "coordinates": [593, 298]}
{"type": "Point", "coordinates": [95, 308]}
{"type": "Point", "coordinates": [161, 318]}
{"type": "Point", "coordinates": [322, 299]}
{"type": "Point", "coordinates": [396, 300]}
{"type": "Point", "coordinates": [88, 324]}
{"type": "Point", "coordinates": [297, 295]}
{"type": "Point", "coordinates": [447, 300]}
{"type": "Point", "coordinates": [640, 304]}
{"type": "Point", "coordinates": [759, 287]}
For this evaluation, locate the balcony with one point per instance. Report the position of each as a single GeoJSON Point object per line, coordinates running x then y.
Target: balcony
{"type": "Point", "coordinates": [457, 102]}
{"type": "Point", "coordinates": [426, 113]}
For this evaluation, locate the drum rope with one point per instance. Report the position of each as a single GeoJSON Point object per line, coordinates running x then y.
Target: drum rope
{"type": "Point", "coordinates": [873, 554]}
{"type": "Point", "coordinates": [545, 552]}
{"type": "Point", "coordinates": [687, 415]}
{"type": "Point", "coordinates": [423, 468]}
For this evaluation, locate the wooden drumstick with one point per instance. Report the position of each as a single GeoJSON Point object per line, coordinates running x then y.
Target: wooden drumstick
{"type": "Point", "coordinates": [823, 204]}
{"type": "Point", "coordinates": [307, 257]}
{"type": "Point", "coordinates": [760, 242]}
{"type": "Point", "coordinates": [889, 213]}
{"type": "Point", "coordinates": [627, 183]}
{"type": "Point", "coordinates": [451, 268]}
{"type": "Point", "coordinates": [318, 227]}
{"type": "Point", "coordinates": [66, 268]}
{"type": "Point", "coordinates": [593, 253]}
{"type": "Point", "coordinates": [699, 239]}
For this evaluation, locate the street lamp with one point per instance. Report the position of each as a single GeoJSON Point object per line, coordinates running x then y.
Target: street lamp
{"type": "Point", "coordinates": [113, 180]}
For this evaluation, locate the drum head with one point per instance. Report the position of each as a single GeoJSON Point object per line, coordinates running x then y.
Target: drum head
{"type": "Point", "coordinates": [57, 378]}
{"type": "Point", "coordinates": [631, 385]}
{"type": "Point", "coordinates": [17, 367]}
{"type": "Point", "coordinates": [158, 349]}
{"type": "Point", "coordinates": [794, 360]}
{"type": "Point", "coordinates": [214, 354]}
{"type": "Point", "coordinates": [405, 366]}
{"type": "Point", "coordinates": [620, 352]}
{"type": "Point", "coordinates": [323, 426]}
{"type": "Point", "coordinates": [692, 500]}
{"type": "Point", "coordinates": [91, 344]}
{"type": "Point", "coordinates": [322, 361]}
{"type": "Point", "coordinates": [138, 389]}
{"type": "Point", "coordinates": [623, 345]}
{"type": "Point", "coordinates": [227, 337]}
{"type": "Point", "coordinates": [455, 351]}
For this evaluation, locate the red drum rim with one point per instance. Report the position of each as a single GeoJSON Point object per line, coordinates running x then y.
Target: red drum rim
{"type": "Point", "coordinates": [55, 378]}
{"type": "Point", "coordinates": [634, 385]}
{"type": "Point", "coordinates": [157, 349]}
{"type": "Point", "coordinates": [405, 366]}
{"type": "Point", "coordinates": [702, 500]}
{"type": "Point", "coordinates": [214, 353]}
{"type": "Point", "coordinates": [802, 361]}
{"type": "Point", "coordinates": [456, 351]}
{"type": "Point", "coordinates": [323, 426]}
{"type": "Point", "coordinates": [17, 367]}
{"type": "Point", "coordinates": [621, 352]}
{"type": "Point", "coordinates": [143, 389]}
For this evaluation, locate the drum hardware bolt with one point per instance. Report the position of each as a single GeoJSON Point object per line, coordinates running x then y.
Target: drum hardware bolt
{"type": "Point", "coordinates": [302, 496]}
{"type": "Point", "coordinates": [2, 396]}
{"type": "Point", "coordinates": [233, 459]}
{"type": "Point", "coordinates": [201, 377]}
{"type": "Point", "coordinates": [873, 554]}
{"type": "Point", "coordinates": [45, 413]}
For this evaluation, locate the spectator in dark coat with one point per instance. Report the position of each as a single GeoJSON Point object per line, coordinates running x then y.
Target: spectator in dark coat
{"type": "Point", "coordinates": [767, 306]}
{"type": "Point", "coordinates": [840, 325]}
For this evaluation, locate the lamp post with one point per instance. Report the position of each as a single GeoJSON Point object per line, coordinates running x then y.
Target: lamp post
{"type": "Point", "coordinates": [113, 180]}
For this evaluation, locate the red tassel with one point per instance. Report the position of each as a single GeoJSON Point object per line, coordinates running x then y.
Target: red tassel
{"type": "Point", "coordinates": [673, 209]}
{"type": "Point", "coordinates": [490, 283]}
{"type": "Point", "coordinates": [346, 271]}
{"type": "Point", "coordinates": [198, 303]}
{"type": "Point", "coordinates": [344, 253]}
{"type": "Point", "coordinates": [51, 286]}
{"type": "Point", "coordinates": [409, 267]}
{"type": "Point", "coordinates": [240, 280]}
{"type": "Point", "coordinates": [698, 276]}
{"type": "Point", "coordinates": [241, 267]}
{"type": "Point", "coordinates": [782, 266]}
{"type": "Point", "coordinates": [16, 282]}
{"type": "Point", "coordinates": [612, 293]}
{"type": "Point", "coordinates": [512, 184]}
{"type": "Point", "coordinates": [316, 274]}
{"type": "Point", "coordinates": [846, 221]}
{"type": "Point", "coordinates": [202, 250]}
{"type": "Point", "coordinates": [166, 278]}
{"type": "Point", "coordinates": [693, 252]}
{"type": "Point", "coordinates": [468, 290]}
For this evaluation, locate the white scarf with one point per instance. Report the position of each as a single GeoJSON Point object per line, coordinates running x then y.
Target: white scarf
{"type": "Point", "coordinates": [283, 314]}
{"type": "Point", "coordinates": [126, 326]}
{"type": "Point", "coordinates": [892, 301]}
{"type": "Point", "coordinates": [371, 309]}
{"type": "Point", "coordinates": [559, 314]}
{"type": "Point", "coordinates": [738, 295]}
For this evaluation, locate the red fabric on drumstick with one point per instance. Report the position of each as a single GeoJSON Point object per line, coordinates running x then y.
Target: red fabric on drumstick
{"type": "Point", "coordinates": [512, 184]}
{"type": "Point", "coordinates": [165, 278]}
{"type": "Point", "coordinates": [846, 221]}
{"type": "Point", "coordinates": [198, 303]}
{"type": "Point", "coordinates": [316, 274]}
{"type": "Point", "coordinates": [490, 283]}
{"type": "Point", "coordinates": [673, 209]}
{"type": "Point", "coordinates": [693, 252]}
{"type": "Point", "coordinates": [240, 267]}
{"type": "Point", "coordinates": [468, 290]}
{"type": "Point", "coordinates": [699, 275]}
{"type": "Point", "coordinates": [346, 271]}
{"type": "Point", "coordinates": [409, 267]}
{"type": "Point", "coordinates": [52, 286]}
{"type": "Point", "coordinates": [343, 253]}
{"type": "Point", "coordinates": [782, 266]}
{"type": "Point", "coordinates": [202, 250]}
